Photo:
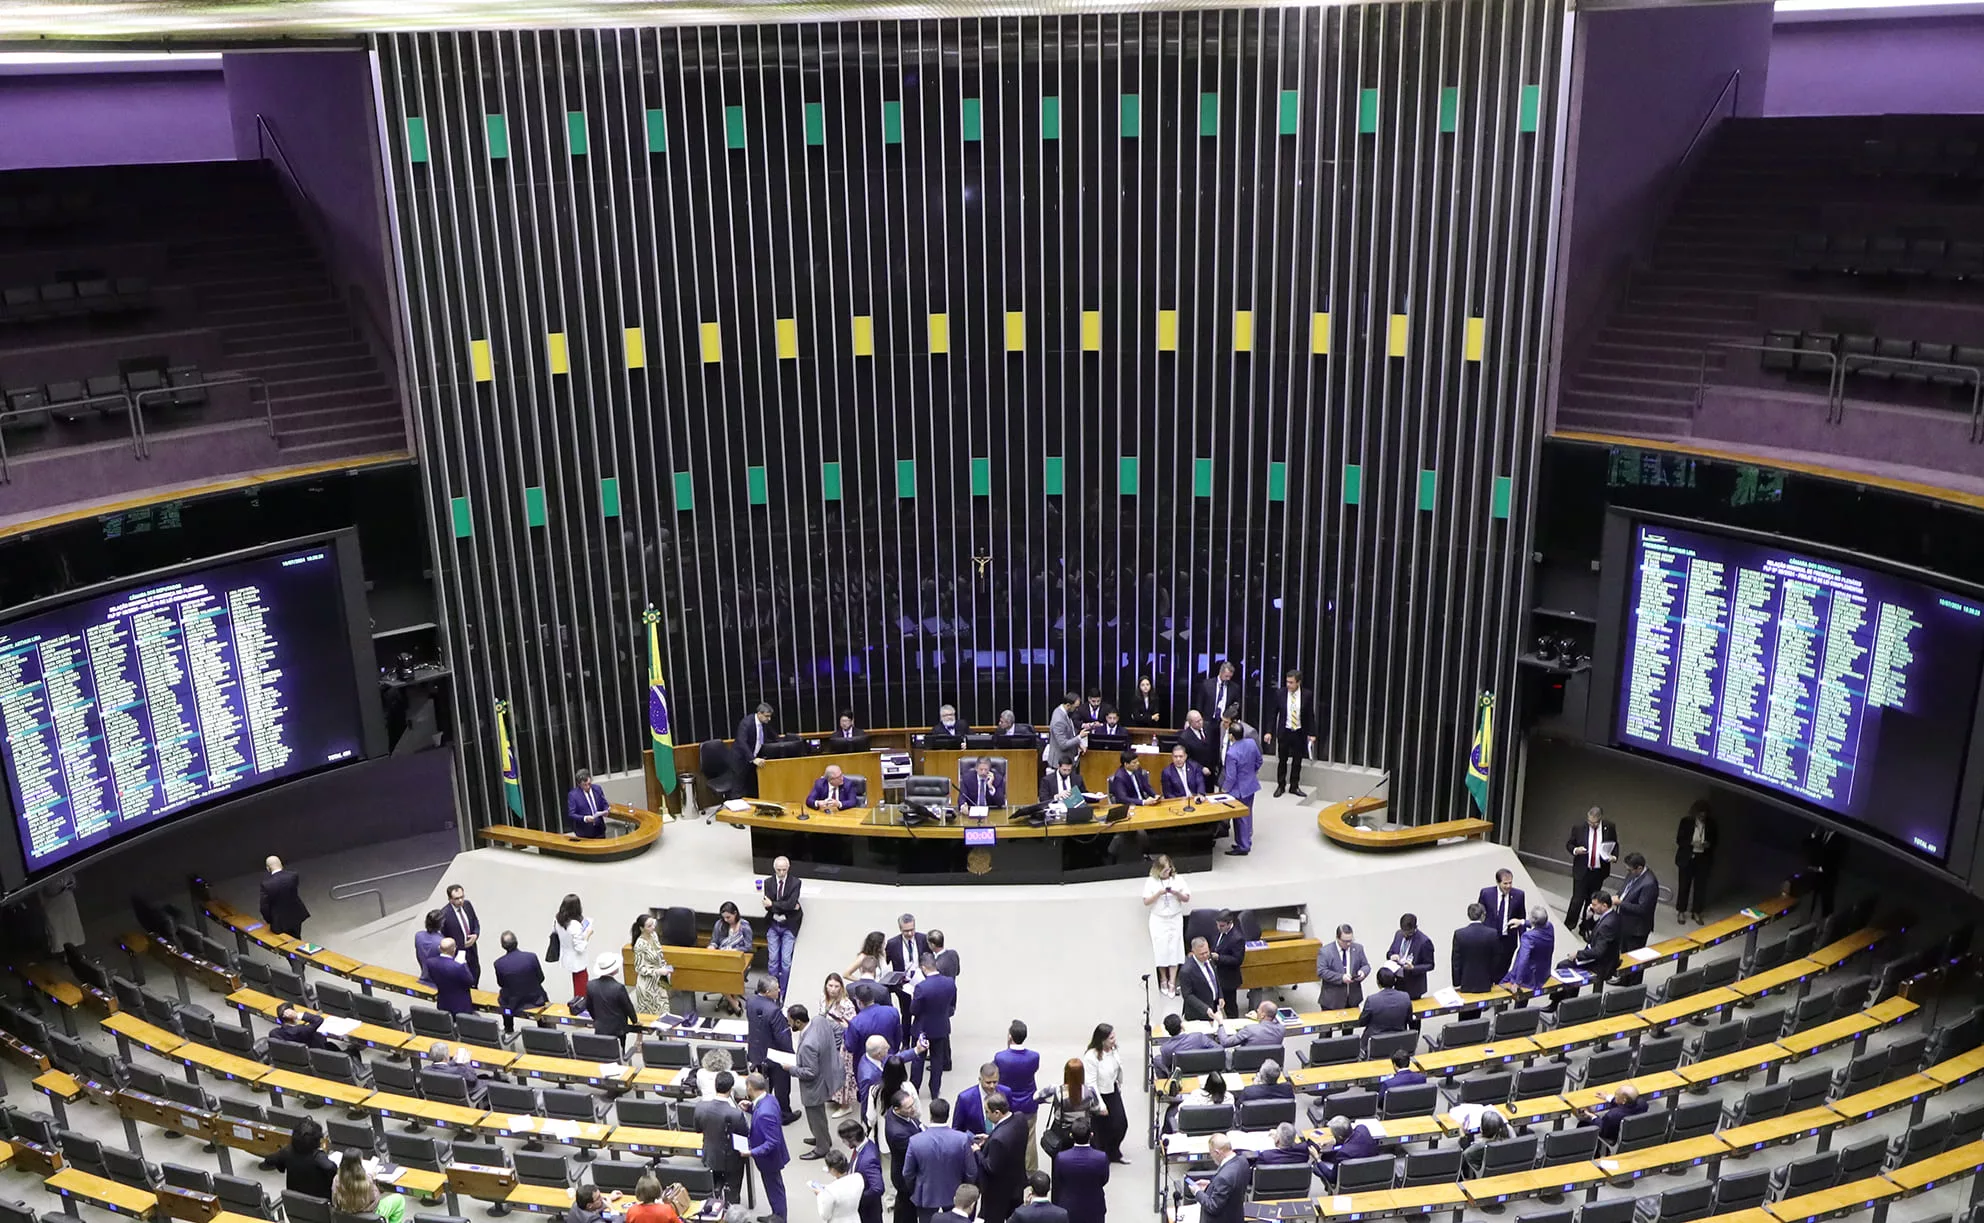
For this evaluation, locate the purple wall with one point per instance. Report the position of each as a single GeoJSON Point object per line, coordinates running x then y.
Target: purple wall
{"type": "Point", "coordinates": [320, 105]}
{"type": "Point", "coordinates": [1643, 81]}
{"type": "Point", "coordinates": [1880, 66]}
{"type": "Point", "coordinates": [95, 118]}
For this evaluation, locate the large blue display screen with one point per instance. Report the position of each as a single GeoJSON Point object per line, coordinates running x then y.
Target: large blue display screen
{"type": "Point", "coordinates": [126, 708]}
{"type": "Point", "coordinates": [1849, 688]}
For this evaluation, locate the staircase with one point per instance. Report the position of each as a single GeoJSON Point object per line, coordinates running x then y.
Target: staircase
{"type": "Point", "coordinates": [263, 287]}
{"type": "Point", "coordinates": [1722, 248]}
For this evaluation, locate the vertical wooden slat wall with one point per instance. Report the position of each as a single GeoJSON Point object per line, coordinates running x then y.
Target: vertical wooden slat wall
{"type": "Point", "coordinates": [970, 360]}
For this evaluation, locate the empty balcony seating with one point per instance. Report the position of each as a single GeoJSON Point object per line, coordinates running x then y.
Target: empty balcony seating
{"type": "Point", "coordinates": [89, 296]}
{"type": "Point", "coordinates": [1894, 257]}
{"type": "Point", "coordinates": [1869, 362]}
{"type": "Point", "coordinates": [73, 403]}
{"type": "Point", "coordinates": [1920, 155]}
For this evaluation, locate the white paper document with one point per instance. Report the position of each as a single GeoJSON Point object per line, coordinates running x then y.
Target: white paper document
{"type": "Point", "coordinates": [1449, 996]}
{"type": "Point", "coordinates": [731, 1027]}
{"type": "Point", "coordinates": [737, 804]}
{"type": "Point", "coordinates": [611, 1070]}
{"type": "Point", "coordinates": [333, 1026]}
{"type": "Point", "coordinates": [1642, 953]}
{"type": "Point", "coordinates": [741, 1143]}
{"type": "Point", "coordinates": [977, 812]}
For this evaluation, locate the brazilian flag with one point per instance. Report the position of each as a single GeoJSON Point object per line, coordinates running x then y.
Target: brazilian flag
{"type": "Point", "coordinates": [513, 790]}
{"type": "Point", "coordinates": [1477, 759]}
{"type": "Point", "coordinates": [658, 728]}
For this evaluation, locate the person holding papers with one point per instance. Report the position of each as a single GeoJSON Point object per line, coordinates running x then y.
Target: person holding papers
{"type": "Point", "coordinates": [585, 808]}
{"type": "Point", "coordinates": [1505, 906]}
{"type": "Point", "coordinates": [1181, 777]}
{"type": "Point", "coordinates": [1600, 954]}
{"type": "Point", "coordinates": [1591, 846]}
{"type": "Point", "coordinates": [1410, 956]}
{"type": "Point", "coordinates": [1240, 776]}
{"type": "Point", "coordinates": [453, 983]}
{"type": "Point", "coordinates": [1166, 896]}
{"type": "Point", "coordinates": [984, 788]}
{"type": "Point", "coordinates": [767, 1030]}
{"type": "Point", "coordinates": [1062, 785]}
{"type": "Point", "coordinates": [1639, 896]}
{"type": "Point", "coordinates": [833, 792]}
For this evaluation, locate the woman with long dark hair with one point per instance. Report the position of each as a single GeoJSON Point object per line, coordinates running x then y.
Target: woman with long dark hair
{"type": "Point", "coordinates": [574, 931]}
{"type": "Point", "coordinates": [1104, 1070]}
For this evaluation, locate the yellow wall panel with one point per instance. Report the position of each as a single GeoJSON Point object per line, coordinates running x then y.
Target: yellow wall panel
{"type": "Point", "coordinates": [940, 333]}
{"type": "Point", "coordinates": [1397, 335]}
{"type": "Point", "coordinates": [479, 362]}
{"type": "Point", "coordinates": [1476, 339]}
{"type": "Point", "coordinates": [864, 335]}
{"type": "Point", "coordinates": [1243, 331]}
{"type": "Point", "coordinates": [635, 345]}
{"type": "Point", "coordinates": [1167, 331]}
{"type": "Point", "coordinates": [712, 343]}
{"type": "Point", "coordinates": [788, 339]}
{"type": "Point", "coordinates": [1319, 333]}
{"type": "Point", "coordinates": [1015, 331]}
{"type": "Point", "coordinates": [556, 353]}
{"type": "Point", "coordinates": [1091, 331]}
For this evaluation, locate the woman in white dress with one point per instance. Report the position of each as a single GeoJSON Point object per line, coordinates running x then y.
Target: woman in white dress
{"type": "Point", "coordinates": [839, 1199]}
{"type": "Point", "coordinates": [1166, 896]}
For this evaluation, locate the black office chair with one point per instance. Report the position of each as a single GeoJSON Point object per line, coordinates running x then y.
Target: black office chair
{"type": "Point", "coordinates": [1280, 1182]}
{"type": "Point", "coordinates": [611, 1175]}
{"type": "Point", "coordinates": [722, 771]}
{"type": "Point", "coordinates": [923, 788]}
{"type": "Point", "coordinates": [1205, 1118]}
{"type": "Point", "coordinates": [302, 1208]}
{"type": "Point", "coordinates": [1199, 1061]}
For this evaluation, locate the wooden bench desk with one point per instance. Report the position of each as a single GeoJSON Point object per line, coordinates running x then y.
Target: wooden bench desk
{"type": "Point", "coordinates": [1926, 1174]}
{"type": "Point", "coordinates": [539, 1199]}
{"type": "Point", "coordinates": [1707, 1002]}
{"type": "Point", "coordinates": [218, 1062]}
{"type": "Point", "coordinates": [570, 1133]}
{"type": "Point", "coordinates": [392, 980]}
{"type": "Point", "coordinates": [665, 1080]}
{"type": "Point", "coordinates": [1667, 951]}
{"type": "Point", "coordinates": [75, 1185]}
{"type": "Point", "coordinates": [191, 1205]}
{"type": "Point", "coordinates": [1562, 1178]}
{"type": "Point", "coordinates": [1951, 1072]}
{"type": "Point", "coordinates": [310, 1087]}
{"type": "Point", "coordinates": [1521, 1113]}
{"type": "Point", "coordinates": [644, 1141]}
{"type": "Point", "coordinates": [1790, 1127]}
{"type": "Point", "coordinates": [247, 928]}
{"type": "Point", "coordinates": [1651, 1087]}
{"type": "Point", "coordinates": [1745, 923]}
{"type": "Point", "coordinates": [1426, 1199]}
{"type": "Point", "coordinates": [416, 1182]}
{"type": "Point", "coordinates": [1855, 1027]}
{"type": "Point", "coordinates": [433, 1112]}
{"type": "Point", "coordinates": [131, 1030]}
{"type": "Point", "coordinates": [66, 995]}
{"type": "Point", "coordinates": [1593, 1032]}
{"type": "Point", "coordinates": [1683, 1154]}
{"type": "Point", "coordinates": [1324, 1078]}
{"type": "Point", "coordinates": [22, 1054]}
{"type": "Point", "coordinates": [1914, 1090]}
{"type": "Point", "coordinates": [571, 1070]}
{"type": "Point", "coordinates": [1284, 961]}
{"type": "Point", "coordinates": [481, 1182]}
{"type": "Point", "coordinates": [62, 1090]}
{"type": "Point", "coordinates": [1756, 985]}
{"type": "Point", "coordinates": [1493, 1053]}
{"type": "Point", "coordinates": [1835, 953]}
{"type": "Point", "coordinates": [1830, 1203]}
{"type": "Point", "coordinates": [1743, 1061]}
{"type": "Point", "coordinates": [137, 943]}
{"type": "Point", "coordinates": [372, 1035]}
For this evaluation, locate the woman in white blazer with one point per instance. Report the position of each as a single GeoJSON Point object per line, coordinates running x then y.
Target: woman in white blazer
{"type": "Point", "coordinates": [574, 931]}
{"type": "Point", "coordinates": [840, 1198]}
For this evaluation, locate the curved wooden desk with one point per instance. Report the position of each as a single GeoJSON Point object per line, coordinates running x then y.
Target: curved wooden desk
{"type": "Point", "coordinates": [1335, 821]}
{"type": "Point", "coordinates": [647, 830]}
{"type": "Point", "coordinates": [869, 844]}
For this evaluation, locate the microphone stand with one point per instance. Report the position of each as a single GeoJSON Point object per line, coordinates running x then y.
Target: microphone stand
{"type": "Point", "coordinates": [1150, 1095]}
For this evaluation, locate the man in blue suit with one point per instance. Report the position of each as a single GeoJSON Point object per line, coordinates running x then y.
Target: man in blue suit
{"type": "Point", "coordinates": [1506, 906]}
{"type": "Point", "coordinates": [1402, 1075]}
{"type": "Point", "coordinates": [1241, 777]}
{"type": "Point", "coordinates": [940, 1159]}
{"type": "Point", "coordinates": [1267, 1085]}
{"type": "Point", "coordinates": [585, 808]}
{"type": "Point", "coordinates": [1345, 1142]}
{"type": "Point", "coordinates": [765, 1028]}
{"type": "Point", "coordinates": [867, 1166]}
{"type": "Point", "coordinates": [1177, 1040]}
{"type": "Point", "coordinates": [871, 1018]}
{"type": "Point", "coordinates": [767, 1140]}
{"type": "Point", "coordinates": [983, 787]}
{"type": "Point", "coordinates": [868, 1067]}
{"type": "Point", "coordinates": [1037, 1206]}
{"type": "Point", "coordinates": [1130, 785]}
{"type": "Point", "coordinates": [1182, 777]}
{"type": "Point", "coordinates": [832, 792]}
{"type": "Point", "coordinates": [452, 981]}
{"type": "Point", "coordinates": [1613, 1111]}
{"type": "Point", "coordinates": [1411, 956]}
{"type": "Point", "coordinates": [1081, 1173]}
{"type": "Point", "coordinates": [1017, 1067]}
{"type": "Point", "coordinates": [930, 1011]}
{"type": "Point", "coordinates": [1388, 1010]}
{"type": "Point", "coordinates": [969, 1115]}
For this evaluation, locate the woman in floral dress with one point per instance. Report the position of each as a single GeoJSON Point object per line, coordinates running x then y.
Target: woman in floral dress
{"type": "Point", "coordinates": [837, 1006]}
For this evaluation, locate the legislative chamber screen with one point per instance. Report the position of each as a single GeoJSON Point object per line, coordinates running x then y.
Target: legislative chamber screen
{"type": "Point", "coordinates": [1846, 687]}
{"type": "Point", "coordinates": [130, 706]}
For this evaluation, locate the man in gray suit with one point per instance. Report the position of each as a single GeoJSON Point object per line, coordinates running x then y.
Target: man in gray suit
{"type": "Point", "coordinates": [818, 1069]}
{"type": "Point", "coordinates": [1341, 966]}
{"type": "Point", "coordinates": [1064, 738]}
{"type": "Point", "coordinates": [721, 1120]}
{"type": "Point", "coordinates": [1265, 1030]}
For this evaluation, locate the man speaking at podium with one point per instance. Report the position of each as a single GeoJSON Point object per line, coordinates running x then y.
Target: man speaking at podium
{"type": "Point", "coordinates": [832, 792]}
{"type": "Point", "coordinates": [585, 808]}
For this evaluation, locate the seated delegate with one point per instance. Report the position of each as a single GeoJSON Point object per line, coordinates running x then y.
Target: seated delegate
{"type": "Point", "coordinates": [833, 792]}
{"type": "Point", "coordinates": [984, 788]}
{"type": "Point", "coordinates": [1182, 777]}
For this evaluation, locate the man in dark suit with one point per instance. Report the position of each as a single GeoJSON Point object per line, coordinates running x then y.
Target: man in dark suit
{"type": "Point", "coordinates": [442, 1060]}
{"type": "Point", "coordinates": [832, 792]}
{"type": "Point", "coordinates": [1411, 956]}
{"type": "Point", "coordinates": [1200, 747]}
{"type": "Point", "coordinates": [931, 1006]}
{"type": "Point", "coordinates": [1402, 1075]}
{"type": "Point", "coordinates": [1506, 905]}
{"type": "Point", "coordinates": [721, 1121]}
{"type": "Point", "coordinates": [752, 734]}
{"type": "Point", "coordinates": [767, 1139]}
{"type": "Point", "coordinates": [1009, 726]}
{"type": "Point", "coordinates": [868, 1166]}
{"type": "Point", "coordinates": [1130, 784]}
{"type": "Point", "coordinates": [1387, 1010]}
{"type": "Point", "coordinates": [766, 1028]}
{"type": "Point", "coordinates": [1217, 690]}
{"type": "Point", "coordinates": [846, 730]}
{"type": "Point", "coordinates": [983, 787]}
{"type": "Point", "coordinates": [1295, 718]}
{"type": "Point", "coordinates": [1222, 1196]}
{"type": "Point", "coordinates": [1229, 948]}
{"type": "Point", "coordinates": [780, 896]}
{"type": "Point", "coordinates": [585, 808]}
{"type": "Point", "coordinates": [938, 1161]}
{"type": "Point", "coordinates": [1199, 981]}
{"type": "Point", "coordinates": [1344, 1141]}
{"type": "Point", "coordinates": [905, 954]}
{"type": "Point", "coordinates": [949, 724]}
{"type": "Point", "coordinates": [1600, 954]}
{"type": "Point", "coordinates": [519, 980]}
{"type": "Point", "coordinates": [608, 1002]}
{"type": "Point", "coordinates": [969, 1115]}
{"type": "Point", "coordinates": [900, 1128]}
{"type": "Point", "coordinates": [282, 906]}
{"type": "Point", "coordinates": [1038, 1206]}
{"type": "Point", "coordinates": [1825, 849]}
{"type": "Point", "coordinates": [1001, 1160]}
{"type": "Point", "coordinates": [947, 959]}
{"type": "Point", "coordinates": [1639, 896]}
{"type": "Point", "coordinates": [963, 1208]}
{"type": "Point", "coordinates": [1181, 776]}
{"type": "Point", "coordinates": [1612, 1113]}
{"type": "Point", "coordinates": [1476, 961]}
{"type": "Point", "coordinates": [451, 979]}
{"type": "Point", "coordinates": [459, 922]}
{"type": "Point", "coordinates": [1267, 1085]}
{"type": "Point", "coordinates": [298, 1028]}
{"type": "Point", "coordinates": [1177, 1041]}
{"type": "Point", "coordinates": [1694, 854]}
{"type": "Point", "coordinates": [1094, 712]}
{"type": "Point", "coordinates": [1591, 846]}
{"type": "Point", "coordinates": [1081, 1175]}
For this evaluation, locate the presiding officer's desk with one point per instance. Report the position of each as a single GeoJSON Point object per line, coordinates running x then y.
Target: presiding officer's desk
{"type": "Point", "coordinates": [874, 845]}
{"type": "Point", "coordinates": [789, 779]}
